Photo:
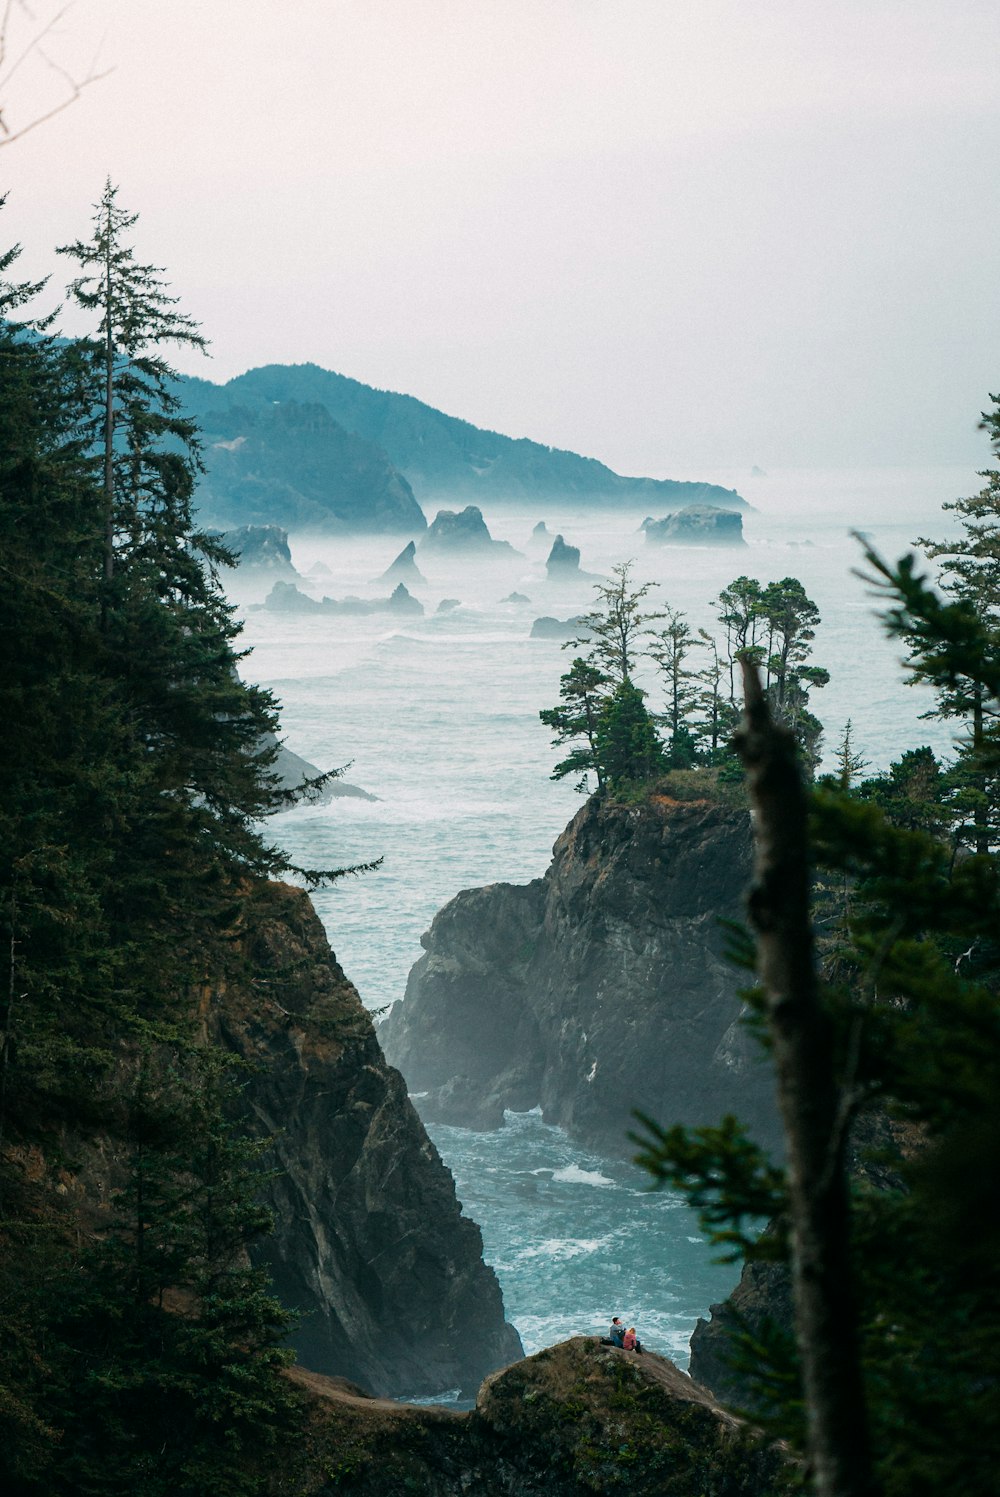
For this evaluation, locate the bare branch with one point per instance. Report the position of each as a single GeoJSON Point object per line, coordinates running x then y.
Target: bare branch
{"type": "Point", "coordinates": [34, 50]}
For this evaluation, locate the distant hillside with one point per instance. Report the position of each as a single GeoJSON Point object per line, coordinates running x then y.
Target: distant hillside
{"type": "Point", "coordinates": [444, 458]}
{"type": "Point", "coordinates": [291, 464]}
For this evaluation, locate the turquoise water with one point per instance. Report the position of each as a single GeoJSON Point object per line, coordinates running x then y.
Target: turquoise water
{"type": "Point", "coordinates": [440, 718]}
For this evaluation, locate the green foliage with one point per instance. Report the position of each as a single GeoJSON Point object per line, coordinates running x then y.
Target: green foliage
{"type": "Point", "coordinates": [141, 1352]}
{"type": "Point", "coordinates": [625, 741]}
{"type": "Point", "coordinates": [911, 960]}
{"type": "Point", "coordinates": [773, 624]}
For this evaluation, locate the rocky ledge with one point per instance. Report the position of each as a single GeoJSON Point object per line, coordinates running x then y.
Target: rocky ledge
{"type": "Point", "coordinates": [369, 1242]}
{"type": "Point", "coordinates": [600, 988]}
{"type": "Point", "coordinates": [575, 1419]}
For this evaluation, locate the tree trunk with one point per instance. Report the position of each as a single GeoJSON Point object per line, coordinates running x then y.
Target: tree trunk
{"type": "Point", "coordinates": [826, 1325]}
{"type": "Point", "coordinates": [109, 416]}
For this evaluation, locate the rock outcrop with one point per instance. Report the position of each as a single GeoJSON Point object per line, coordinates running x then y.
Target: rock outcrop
{"type": "Point", "coordinates": [285, 597]}
{"type": "Point", "coordinates": [404, 568]}
{"type": "Point", "coordinates": [577, 1418]}
{"type": "Point", "coordinates": [463, 533]}
{"type": "Point", "coordinates": [293, 772]}
{"type": "Point", "coordinates": [697, 525]}
{"type": "Point", "coordinates": [597, 989]}
{"type": "Point", "coordinates": [563, 564]}
{"type": "Point", "coordinates": [562, 629]}
{"type": "Point", "coordinates": [260, 548]}
{"type": "Point", "coordinates": [369, 1240]}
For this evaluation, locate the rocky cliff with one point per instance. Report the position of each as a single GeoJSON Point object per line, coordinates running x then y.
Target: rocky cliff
{"type": "Point", "coordinates": [575, 1419]}
{"type": "Point", "coordinates": [597, 989]}
{"type": "Point", "coordinates": [369, 1242]}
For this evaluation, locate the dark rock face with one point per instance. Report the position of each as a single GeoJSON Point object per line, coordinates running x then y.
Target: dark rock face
{"type": "Point", "coordinates": [404, 568]}
{"type": "Point", "coordinates": [285, 597]}
{"type": "Point", "coordinates": [577, 1418]}
{"type": "Point", "coordinates": [465, 532]}
{"type": "Point", "coordinates": [697, 525]}
{"type": "Point", "coordinates": [600, 988]}
{"type": "Point", "coordinates": [369, 1241]}
{"type": "Point", "coordinates": [762, 1297]}
{"type": "Point", "coordinates": [260, 548]}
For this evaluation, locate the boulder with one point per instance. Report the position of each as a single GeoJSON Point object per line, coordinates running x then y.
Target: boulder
{"type": "Point", "coordinates": [697, 525]}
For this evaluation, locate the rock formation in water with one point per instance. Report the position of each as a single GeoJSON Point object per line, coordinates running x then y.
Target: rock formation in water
{"type": "Point", "coordinates": [285, 597]}
{"type": "Point", "coordinates": [369, 1241]}
{"type": "Point", "coordinates": [260, 548]}
{"type": "Point", "coordinates": [577, 1418]}
{"type": "Point", "coordinates": [697, 525]}
{"type": "Point", "coordinates": [597, 989]}
{"type": "Point", "coordinates": [463, 533]}
{"type": "Point", "coordinates": [404, 568]}
{"type": "Point", "coordinates": [562, 629]}
{"type": "Point", "coordinates": [563, 564]}
{"type": "Point", "coordinates": [292, 771]}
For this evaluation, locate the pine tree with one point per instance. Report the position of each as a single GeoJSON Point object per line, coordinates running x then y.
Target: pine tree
{"type": "Point", "coordinates": [625, 742]}
{"type": "Point", "coordinates": [583, 689]}
{"type": "Point", "coordinates": [129, 408]}
{"type": "Point", "coordinates": [670, 650]}
{"type": "Point", "coordinates": [616, 629]}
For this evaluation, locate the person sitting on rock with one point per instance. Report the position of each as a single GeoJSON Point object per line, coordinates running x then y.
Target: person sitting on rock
{"type": "Point", "coordinates": [617, 1334]}
{"type": "Point", "coordinates": [630, 1342]}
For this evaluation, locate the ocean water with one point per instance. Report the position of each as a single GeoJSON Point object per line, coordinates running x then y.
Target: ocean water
{"type": "Point", "coordinates": [438, 717]}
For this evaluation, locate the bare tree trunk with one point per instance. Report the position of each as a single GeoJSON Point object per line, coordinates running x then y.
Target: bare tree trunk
{"type": "Point", "coordinates": [826, 1323]}
{"type": "Point", "coordinates": [109, 416]}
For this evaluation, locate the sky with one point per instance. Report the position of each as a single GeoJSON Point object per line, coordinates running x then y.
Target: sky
{"type": "Point", "coordinates": [677, 235]}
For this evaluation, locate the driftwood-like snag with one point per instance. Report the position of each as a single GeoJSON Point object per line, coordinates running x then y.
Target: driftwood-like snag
{"type": "Point", "coordinates": [809, 1101]}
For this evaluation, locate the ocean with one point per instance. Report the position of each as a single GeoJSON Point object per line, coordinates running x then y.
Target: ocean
{"type": "Point", "coordinates": [438, 717]}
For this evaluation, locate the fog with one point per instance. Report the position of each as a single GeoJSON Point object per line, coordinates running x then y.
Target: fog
{"type": "Point", "coordinates": [670, 236]}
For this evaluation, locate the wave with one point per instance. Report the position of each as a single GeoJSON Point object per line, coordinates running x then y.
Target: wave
{"type": "Point", "coordinates": [572, 1174]}
{"type": "Point", "coordinates": [563, 1249]}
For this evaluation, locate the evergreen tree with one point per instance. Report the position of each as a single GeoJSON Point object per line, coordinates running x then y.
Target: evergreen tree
{"type": "Point", "coordinates": [740, 614]}
{"type": "Point", "coordinates": [896, 1063]}
{"type": "Point", "coordinates": [583, 690]}
{"type": "Point", "coordinates": [616, 629]}
{"type": "Point", "coordinates": [147, 1358]}
{"type": "Point", "coordinates": [670, 650]}
{"type": "Point", "coordinates": [128, 406]}
{"type": "Point", "coordinates": [625, 741]}
{"type": "Point", "coordinates": [970, 574]}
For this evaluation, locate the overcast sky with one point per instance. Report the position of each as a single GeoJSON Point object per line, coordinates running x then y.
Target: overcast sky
{"type": "Point", "coordinates": [673, 234]}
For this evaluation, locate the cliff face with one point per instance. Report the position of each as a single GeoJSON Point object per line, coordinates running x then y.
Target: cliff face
{"type": "Point", "coordinates": [597, 989]}
{"type": "Point", "coordinates": [369, 1241]}
{"type": "Point", "coordinates": [577, 1418]}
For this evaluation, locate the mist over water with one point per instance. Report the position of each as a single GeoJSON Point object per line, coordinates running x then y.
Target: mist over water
{"type": "Point", "coordinates": [438, 717]}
